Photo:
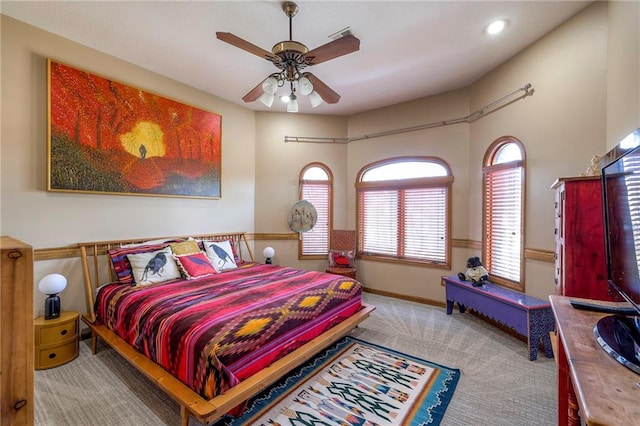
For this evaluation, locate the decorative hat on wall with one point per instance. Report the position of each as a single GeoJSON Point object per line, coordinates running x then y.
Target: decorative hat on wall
{"type": "Point", "coordinates": [302, 216]}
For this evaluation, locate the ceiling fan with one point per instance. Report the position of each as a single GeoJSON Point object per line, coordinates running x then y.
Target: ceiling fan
{"type": "Point", "coordinates": [291, 57]}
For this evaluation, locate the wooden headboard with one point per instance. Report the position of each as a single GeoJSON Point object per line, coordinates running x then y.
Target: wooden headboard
{"type": "Point", "coordinates": [98, 270]}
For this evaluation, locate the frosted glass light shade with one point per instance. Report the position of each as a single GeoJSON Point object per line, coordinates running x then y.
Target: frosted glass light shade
{"type": "Point", "coordinates": [267, 99]}
{"type": "Point", "coordinates": [52, 284]}
{"type": "Point", "coordinates": [315, 99]}
{"type": "Point", "coordinates": [305, 86]}
{"type": "Point", "coordinates": [292, 106]}
{"type": "Point", "coordinates": [268, 252]}
{"type": "Point", "coordinates": [270, 85]}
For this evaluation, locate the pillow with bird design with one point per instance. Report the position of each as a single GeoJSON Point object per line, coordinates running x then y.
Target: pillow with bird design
{"type": "Point", "coordinates": [220, 254]}
{"type": "Point", "coordinates": [195, 265]}
{"type": "Point", "coordinates": [120, 261]}
{"type": "Point", "coordinates": [154, 267]}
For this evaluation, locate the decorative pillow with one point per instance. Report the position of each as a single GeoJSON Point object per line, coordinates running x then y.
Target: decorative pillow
{"type": "Point", "coordinates": [121, 264]}
{"type": "Point", "coordinates": [239, 261]}
{"type": "Point", "coordinates": [162, 241]}
{"type": "Point", "coordinates": [220, 254]}
{"type": "Point", "coordinates": [195, 265]}
{"type": "Point", "coordinates": [185, 247]}
{"type": "Point", "coordinates": [154, 267]}
{"type": "Point", "coordinates": [342, 259]}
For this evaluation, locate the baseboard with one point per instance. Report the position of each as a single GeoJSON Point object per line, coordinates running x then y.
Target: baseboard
{"type": "Point", "coordinates": [404, 297]}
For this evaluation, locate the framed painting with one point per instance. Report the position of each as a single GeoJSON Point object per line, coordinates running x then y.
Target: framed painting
{"type": "Point", "coordinates": [109, 138]}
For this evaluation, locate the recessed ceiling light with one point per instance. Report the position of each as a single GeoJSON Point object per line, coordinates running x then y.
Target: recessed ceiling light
{"type": "Point", "coordinates": [496, 26]}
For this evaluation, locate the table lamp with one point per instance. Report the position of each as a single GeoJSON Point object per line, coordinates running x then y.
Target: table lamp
{"type": "Point", "coordinates": [51, 285]}
{"type": "Point", "coordinates": [268, 252]}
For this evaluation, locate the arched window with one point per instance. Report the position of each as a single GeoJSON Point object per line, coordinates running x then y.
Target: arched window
{"type": "Point", "coordinates": [503, 200]}
{"type": "Point", "coordinates": [404, 210]}
{"type": "Point", "coordinates": [316, 186]}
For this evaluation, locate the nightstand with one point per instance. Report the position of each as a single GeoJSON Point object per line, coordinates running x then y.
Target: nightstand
{"type": "Point", "coordinates": [56, 340]}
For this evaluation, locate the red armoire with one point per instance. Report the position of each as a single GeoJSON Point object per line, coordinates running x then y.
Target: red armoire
{"type": "Point", "coordinates": [580, 264]}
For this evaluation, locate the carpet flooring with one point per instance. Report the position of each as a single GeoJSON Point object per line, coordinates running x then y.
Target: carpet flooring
{"type": "Point", "coordinates": [498, 384]}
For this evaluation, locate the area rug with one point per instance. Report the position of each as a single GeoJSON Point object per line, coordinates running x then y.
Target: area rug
{"type": "Point", "coordinates": [354, 382]}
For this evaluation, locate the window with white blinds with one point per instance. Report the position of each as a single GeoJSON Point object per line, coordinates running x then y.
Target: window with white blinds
{"type": "Point", "coordinates": [403, 212]}
{"type": "Point", "coordinates": [316, 186]}
{"type": "Point", "coordinates": [503, 212]}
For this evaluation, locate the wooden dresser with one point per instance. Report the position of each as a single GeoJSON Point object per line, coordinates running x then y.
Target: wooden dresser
{"type": "Point", "coordinates": [580, 265]}
{"type": "Point", "coordinates": [16, 332]}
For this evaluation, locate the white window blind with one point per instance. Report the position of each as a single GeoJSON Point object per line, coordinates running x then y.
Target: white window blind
{"type": "Point", "coordinates": [316, 241]}
{"type": "Point", "coordinates": [404, 223]}
{"type": "Point", "coordinates": [503, 221]}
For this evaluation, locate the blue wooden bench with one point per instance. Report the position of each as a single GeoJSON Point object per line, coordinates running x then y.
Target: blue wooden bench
{"type": "Point", "coordinates": [527, 315]}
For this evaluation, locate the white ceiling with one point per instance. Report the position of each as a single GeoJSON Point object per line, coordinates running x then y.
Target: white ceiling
{"type": "Point", "coordinates": [408, 50]}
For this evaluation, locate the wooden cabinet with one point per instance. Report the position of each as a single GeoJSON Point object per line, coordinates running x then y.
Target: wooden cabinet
{"type": "Point", "coordinates": [580, 264]}
{"type": "Point", "coordinates": [56, 340]}
{"type": "Point", "coordinates": [593, 388]}
{"type": "Point", "coordinates": [16, 332]}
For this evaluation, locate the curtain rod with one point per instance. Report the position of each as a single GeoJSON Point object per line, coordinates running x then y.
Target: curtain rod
{"type": "Point", "coordinates": [493, 106]}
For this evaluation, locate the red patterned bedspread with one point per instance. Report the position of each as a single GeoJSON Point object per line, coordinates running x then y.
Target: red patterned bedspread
{"type": "Point", "coordinates": [212, 333]}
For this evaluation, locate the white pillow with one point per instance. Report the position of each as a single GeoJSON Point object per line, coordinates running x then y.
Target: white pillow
{"type": "Point", "coordinates": [153, 267]}
{"type": "Point", "coordinates": [220, 254]}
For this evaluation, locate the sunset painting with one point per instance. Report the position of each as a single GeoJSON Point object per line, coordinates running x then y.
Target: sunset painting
{"type": "Point", "coordinates": [106, 137]}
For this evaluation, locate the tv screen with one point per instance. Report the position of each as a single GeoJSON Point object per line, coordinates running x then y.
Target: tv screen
{"type": "Point", "coordinates": [621, 202]}
{"type": "Point", "coordinates": [618, 334]}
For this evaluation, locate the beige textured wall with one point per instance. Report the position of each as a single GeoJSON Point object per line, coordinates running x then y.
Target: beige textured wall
{"type": "Point", "coordinates": [46, 219]}
{"type": "Point", "coordinates": [623, 74]}
{"type": "Point", "coordinates": [450, 143]}
{"type": "Point", "coordinates": [278, 166]}
{"type": "Point", "coordinates": [562, 125]}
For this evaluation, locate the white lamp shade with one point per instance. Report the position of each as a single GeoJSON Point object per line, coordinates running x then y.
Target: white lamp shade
{"type": "Point", "coordinates": [305, 86]}
{"type": "Point", "coordinates": [315, 99]}
{"type": "Point", "coordinates": [292, 106]}
{"type": "Point", "coordinates": [52, 284]}
{"type": "Point", "coordinates": [270, 85]}
{"type": "Point", "coordinates": [267, 99]}
{"type": "Point", "coordinates": [268, 252]}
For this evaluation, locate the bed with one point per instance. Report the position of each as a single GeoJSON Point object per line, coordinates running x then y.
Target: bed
{"type": "Point", "coordinates": [212, 341]}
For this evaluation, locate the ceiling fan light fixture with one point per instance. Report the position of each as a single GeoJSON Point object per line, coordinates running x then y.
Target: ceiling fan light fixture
{"type": "Point", "coordinates": [305, 86]}
{"type": "Point", "coordinates": [285, 98]}
{"type": "Point", "coordinates": [270, 85]}
{"type": "Point", "coordinates": [315, 99]}
{"type": "Point", "coordinates": [292, 106]}
{"type": "Point", "coordinates": [267, 99]}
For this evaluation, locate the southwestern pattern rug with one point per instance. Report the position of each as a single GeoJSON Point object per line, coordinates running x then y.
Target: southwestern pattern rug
{"type": "Point", "coordinates": [354, 382]}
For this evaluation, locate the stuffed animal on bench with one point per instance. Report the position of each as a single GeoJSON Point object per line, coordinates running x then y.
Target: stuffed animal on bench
{"type": "Point", "coordinates": [476, 272]}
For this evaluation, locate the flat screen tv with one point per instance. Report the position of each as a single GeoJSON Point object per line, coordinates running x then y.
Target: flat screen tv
{"type": "Point", "coordinates": [619, 334]}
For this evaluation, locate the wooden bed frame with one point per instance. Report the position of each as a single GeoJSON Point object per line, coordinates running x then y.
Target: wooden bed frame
{"type": "Point", "coordinates": [97, 270]}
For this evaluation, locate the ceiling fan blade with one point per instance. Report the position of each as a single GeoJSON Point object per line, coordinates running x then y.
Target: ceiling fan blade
{"type": "Point", "coordinates": [326, 93]}
{"type": "Point", "coordinates": [255, 93]}
{"type": "Point", "coordinates": [245, 45]}
{"type": "Point", "coordinates": [333, 49]}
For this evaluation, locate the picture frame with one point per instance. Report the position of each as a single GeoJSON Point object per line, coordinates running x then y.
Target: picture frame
{"type": "Point", "coordinates": [106, 137]}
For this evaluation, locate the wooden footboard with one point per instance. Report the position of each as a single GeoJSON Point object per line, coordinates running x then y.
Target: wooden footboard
{"type": "Point", "coordinates": [97, 270]}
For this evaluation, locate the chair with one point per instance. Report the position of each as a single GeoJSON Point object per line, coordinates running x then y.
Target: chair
{"type": "Point", "coordinates": [343, 241]}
